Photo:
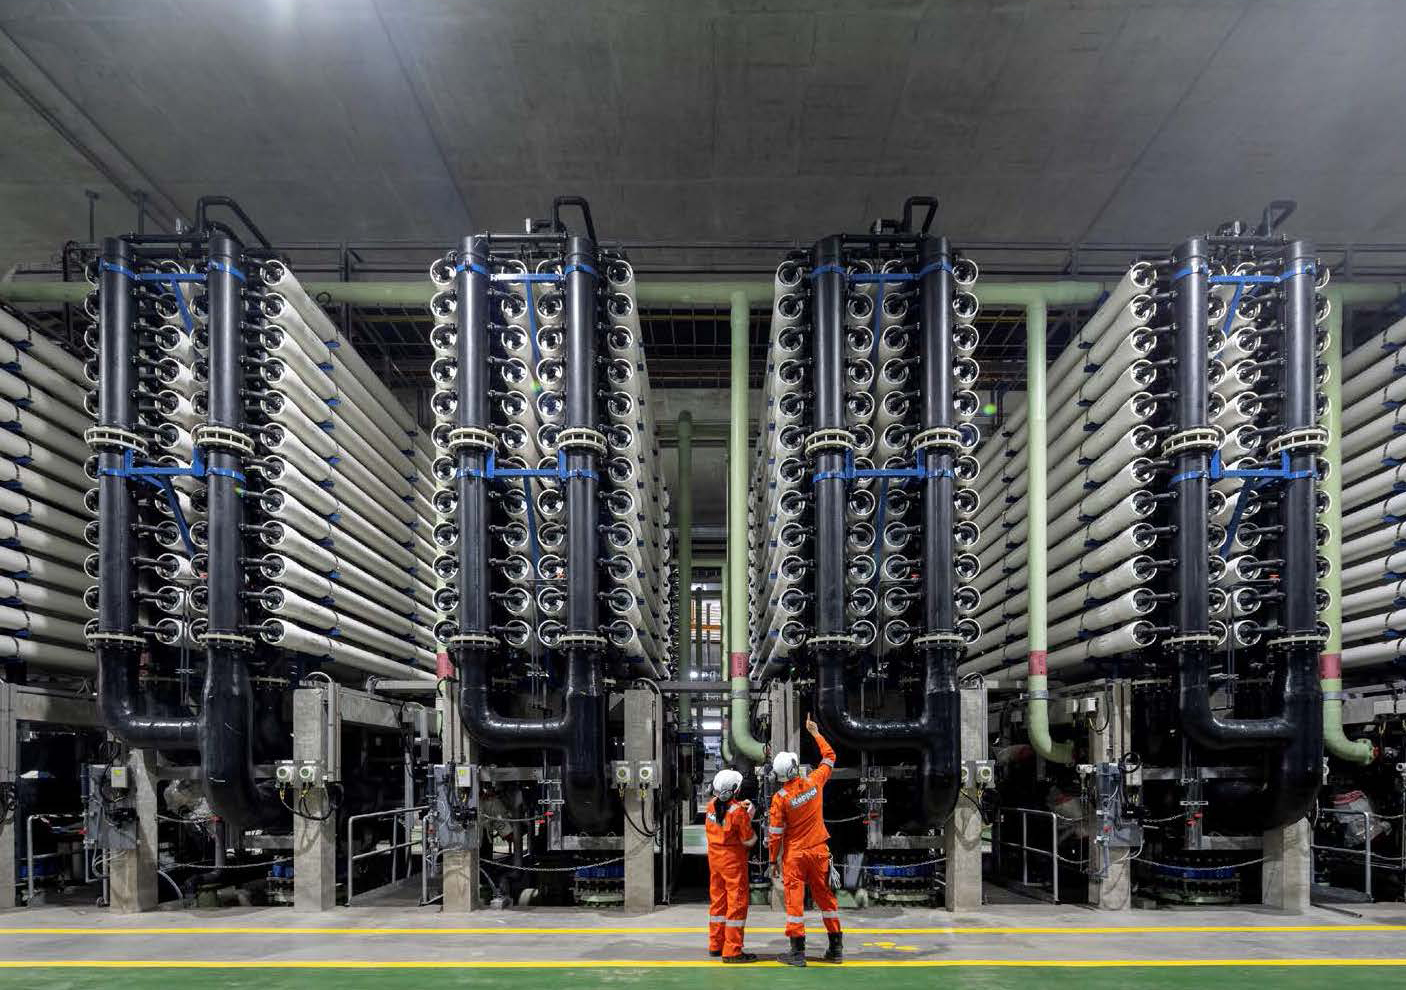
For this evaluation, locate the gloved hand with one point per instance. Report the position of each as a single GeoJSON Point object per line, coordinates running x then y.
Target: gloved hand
{"type": "Point", "coordinates": [751, 808]}
{"type": "Point", "coordinates": [834, 877]}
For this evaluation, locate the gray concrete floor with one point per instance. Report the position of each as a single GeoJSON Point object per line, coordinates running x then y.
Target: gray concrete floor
{"type": "Point", "coordinates": [677, 933]}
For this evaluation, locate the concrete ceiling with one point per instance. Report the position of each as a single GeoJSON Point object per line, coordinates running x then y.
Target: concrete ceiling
{"type": "Point", "coordinates": [711, 119]}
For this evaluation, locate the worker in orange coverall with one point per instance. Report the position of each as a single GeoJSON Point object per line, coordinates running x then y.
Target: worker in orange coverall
{"type": "Point", "coordinates": [730, 841]}
{"type": "Point", "coordinates": [798, 840]}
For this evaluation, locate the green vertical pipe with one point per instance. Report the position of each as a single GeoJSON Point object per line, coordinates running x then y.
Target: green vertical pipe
{"type": "Point", "coordinates": [738, 461]}
{"type": "Point", "coordinates": [723, 618]}
{"type": "Point", "coordinates": [1330, 674]}
{"type": "Point", "coordinates": [683, 514]}
{"type": "Point", "coordinates": [1037, 540]}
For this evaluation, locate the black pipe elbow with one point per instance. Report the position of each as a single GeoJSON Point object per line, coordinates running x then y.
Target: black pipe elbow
{"type": "Point", "coordinates": [117, 691]}
{"type": "Point", "coordinates": [226, 747]}
{"type": "Point", "coordinates": [1207, 729]}
{"type": "Point", "coordinates": [583, 783]}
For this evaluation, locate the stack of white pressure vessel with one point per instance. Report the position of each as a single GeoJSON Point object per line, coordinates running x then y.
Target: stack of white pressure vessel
{"type": "Point", "coordinates": [43, 539]}
{"type": "Point", "coordinates": [344, 513]}
{"type": "Point", "coordinates": [1374, 501]}
{"type": "Point", "coordinates": [527, 383]}
{"type": "Point", "coordinates": [1102, 395]}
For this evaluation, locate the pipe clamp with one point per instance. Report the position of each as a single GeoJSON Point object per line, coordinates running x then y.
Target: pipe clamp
{"type": "Point", "coordinates": [237, 640]}
{"type": "Point", "coordinates": [97, 638]}
{"type": "Point", "coordinates": [471, 438]}
{"type": "Point", "coordinates": [939, 640]}
{"type": "Point", "coordinates": [581, 640]}
{"type": "Point", "coordinates": [829, 438]}
{"type": "Point", "coordinates": [1192, 639]}
{"type": "Point", "coordinates": [833, 641]}
{"type": "Point", "coordinates": [223, 438]}
{"type": "Point", "coordinates": [113, 438]}
{"type": "Point", "coordinates": [1314, 439]}
{"type": "Point", "coordinates": [471, 640]}
{"type": "Point", "coordinates": [1196, 438]}
{"type": "Point", "coordinates": [938, 438]}
{"type": "Point", "coordinates": [1298, 639]}
{"type": "Point", "coordinates": [582, 438]}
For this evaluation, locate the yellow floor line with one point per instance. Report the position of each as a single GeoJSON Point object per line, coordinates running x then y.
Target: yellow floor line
{"type": "Point", "coordinates": [666, 963]}
{"type": "Point", "coordinates": [700, 927]}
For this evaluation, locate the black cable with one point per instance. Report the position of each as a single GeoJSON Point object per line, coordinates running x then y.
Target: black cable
{"type": "Point", "coordinates": [642, 832]}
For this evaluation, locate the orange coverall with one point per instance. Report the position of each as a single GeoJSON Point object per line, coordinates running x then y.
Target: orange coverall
{"type": "Point", "coordinates": [728, 887]}
{"type": "Point", "coordinates": [797, 825]}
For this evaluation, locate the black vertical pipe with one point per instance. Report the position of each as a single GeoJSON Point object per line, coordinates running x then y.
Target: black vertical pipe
{"type": "Point", "coordinates": [583, 779]}
{"type": "Point", "coordinates": [1190, 290]}
{"type": "Point", "coordinates": [941, 768]}
{"type": "Point", "coordinates": [578, 733]}
{"type": "Point", "coordinates": [471, 353]}
{"type": "Point", "coordinates": [1296, 775]}
{"type": "Point", "coordinates": [1190, 362]}
{"type": "Point", "coordinates": [935, 369]}
{"type": "Point", "coordinates": [828, 308]}
{"type": "Point", "coordinates": [227, 702]}
{"type": "Point", "coordinates": [936, 733]}
{"type": "Point", "coordinates": [118, 687]}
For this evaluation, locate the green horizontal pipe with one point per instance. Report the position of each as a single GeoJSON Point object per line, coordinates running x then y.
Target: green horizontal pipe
{"type": "Point", "coordinates": [647, 292]}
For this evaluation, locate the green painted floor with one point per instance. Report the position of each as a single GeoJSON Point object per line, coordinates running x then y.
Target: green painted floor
{"type": "Point", "coordinates": [964, 978]}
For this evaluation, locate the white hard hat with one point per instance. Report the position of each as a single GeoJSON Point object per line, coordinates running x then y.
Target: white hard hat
{"type": "Point", "coordinates": [726, 783]}
{"type": "Point", "coordinates": [785, 765]}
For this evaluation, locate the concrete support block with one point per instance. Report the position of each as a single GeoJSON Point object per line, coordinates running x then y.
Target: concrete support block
{"type": "Point", "coordinates": [1287, 876]}
{"type": "Point", "coordinates": [643, 742]}
{"type": "Point", "coordinates": [962, 835]}
{"type": "Point", "coordinates": [1109, 738]}
{"type": "Point", "coordinates": [314, 842]}
{"type": "Point", "coordinates": [9, 777]}
{"type": "Point", "coordinates": [461, 886]}
{"type": "Point", "coordinates": [132, 872]}
{"type": "Point", "coordinates": [1115, 891]}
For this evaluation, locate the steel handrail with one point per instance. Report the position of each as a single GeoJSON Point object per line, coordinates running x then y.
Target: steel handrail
{"type": "Point", "coordinates": [397, 822]}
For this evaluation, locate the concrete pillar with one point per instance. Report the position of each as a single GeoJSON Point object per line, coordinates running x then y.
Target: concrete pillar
{"type": "Point", "coordinates": [459, 867]}
{"type": "Point", "coordinates": [642, 744]}
{"type": "Point", "coordinates": [1287, 875]}
{"type": "Point", "coordinates": [961, 838]}
{"type": "Point", "coordinates": [1110, 736]}
{"type": "Point", "coordinates": [9, 777]}
{"type": "Point", "coordinates": [132, 872]}
{"type": "Point", "coordinates": [786, 718]}
{"type": "Point", "coordinates": [314, 842]}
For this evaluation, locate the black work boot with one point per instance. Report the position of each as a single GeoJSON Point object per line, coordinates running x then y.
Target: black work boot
{"type": "Point", "coordinates": [741, 957]}
{"type": "Point", "coordinates": [836, 952]}
{"type": "Point", "coordinates": [797, 955]}
{"type": "Point", "coordinates": [715, 952]}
